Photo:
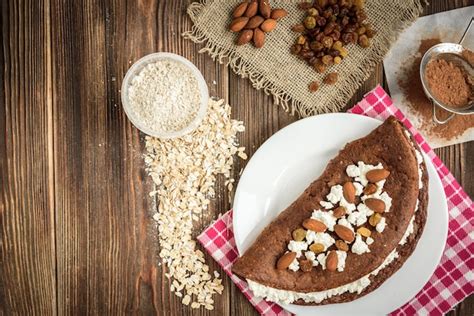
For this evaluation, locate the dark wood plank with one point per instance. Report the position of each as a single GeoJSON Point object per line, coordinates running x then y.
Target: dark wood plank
{"type": "Point", "coordinates": [27, 251]}
{"type": "Point", "coordinates": [104, 243]}
{"type": "Point", "coordinates": [106, 239]}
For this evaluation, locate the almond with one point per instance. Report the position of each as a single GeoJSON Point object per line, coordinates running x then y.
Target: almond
{"type": "Point", "coordinates": [268, 25]}
{"type": "Point", "coordinates": [364, 231]}
{"type": "Point", "coordinates": [377, 175]}
{"type": "Point", "coordinates": [370, 189]}
{"type": "Point", "coordinates": [344, 233]}
{"type": "Point", "coordinates": [251, 9]}
{"type": "Point", "coordinates": [240, 10]}
{"type": "Point", "coordinates": [339, 212]}
{"type": "Point", "coordinates": [349, 192]}
{"type": "Point", "coordinates": [254, 22]}
{"type": "Point", "coordinates": [375, 205]}
{"type": "Point", "coordinates": [238, 24]}
{"type": "Point", "coordinates": [314, 225]}
{"type": "Point", "coordinates": [258, 38]}
{"type": "Point", "coordinates": [341, 245]}
{"type": "Point", "coordinates": [278, 14]}
{"type": "Point", "coordinates": [285, 260]}
{"type": "Point", "coordinates": [331, 261]}
{"type": "Point", "coordinates": [244, 37]}
{"type": "Point", "coordinates": [264, 8]}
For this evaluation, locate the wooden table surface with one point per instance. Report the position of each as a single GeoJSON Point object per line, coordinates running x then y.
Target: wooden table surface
{"type": "Point", "coordinates": [76, 233]}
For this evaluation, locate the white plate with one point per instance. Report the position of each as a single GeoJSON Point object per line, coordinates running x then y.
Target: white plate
{"type": "Point", "coordinates": [288, 162]}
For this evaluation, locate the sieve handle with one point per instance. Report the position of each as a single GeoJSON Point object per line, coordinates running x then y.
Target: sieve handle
{"type": "Point", "coordinates": [466, 31]}
{"type": "Point", "coordinates": [436, 119]}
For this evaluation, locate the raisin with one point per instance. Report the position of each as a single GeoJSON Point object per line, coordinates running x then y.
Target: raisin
{"type": "Point", "coordinates": [331, 78]}
{"type": "Point", "coordinates": [313, 86]}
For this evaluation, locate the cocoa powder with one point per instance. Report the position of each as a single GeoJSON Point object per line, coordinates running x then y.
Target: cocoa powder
{"type": "Point", "coordinates": [448, 83]}
{"type": "Point", "coordinates": [421, 106]}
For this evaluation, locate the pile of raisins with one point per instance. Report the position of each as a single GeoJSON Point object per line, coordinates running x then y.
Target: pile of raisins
{"type": "Point", "coordinates": [328, 26]}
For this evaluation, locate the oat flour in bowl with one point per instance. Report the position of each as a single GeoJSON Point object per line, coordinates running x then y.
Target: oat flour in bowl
{"type": "Point", "coordinates": [165, 96]}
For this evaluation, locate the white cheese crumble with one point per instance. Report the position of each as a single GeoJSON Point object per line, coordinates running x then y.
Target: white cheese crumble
{"type": "Point", "coordinates": [325, 217]}
{"type": "Point", "coordinates": [360, 217]}
{"type": "Point", "coordinates": [297, 246]}
{"type": "Point", "coordinates": [322, 260]}
{"type": "Point", "coordinates": [294, 265]}
{"type": "Point", "coordinates": [319, 238]}
{"type": "Point", "coordinates": [353, 171]}
{"type": "Point", "coordinates": [387, 200]}
{"type": "Point", "coordinates": [341, 260]}
{"type": "Point", "coordinates": [361, 171]}
{"type": "Point", "coordinates": [359, 188]}
{"type": "Point", "coordinates": [380, 227]}
{"type": "Point", "coordinates": [369, 241]}
{"type": "Point", "coordinates": [326, 205]}
{"type": "Point", "coordinates": [311, 256]}
{"type": "Point", "coordinates": [336, 196]}
{"type": "Point", "coordinates": [359, 246]}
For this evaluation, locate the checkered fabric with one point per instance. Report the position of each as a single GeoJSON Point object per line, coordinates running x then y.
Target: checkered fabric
{"type": "Point", "coordinates": [453, 279]}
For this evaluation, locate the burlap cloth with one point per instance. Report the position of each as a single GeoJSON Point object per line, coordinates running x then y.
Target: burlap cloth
{"type": "Point", "coordinates": [282, 74]}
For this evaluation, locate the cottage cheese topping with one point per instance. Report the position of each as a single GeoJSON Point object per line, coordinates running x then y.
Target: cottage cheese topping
{"type": "Point", "coordinates": [297, 246]}
{"type": "Point", "coordinates": [326, 205]}
{"type": "Point", "coordinates": [322, 260]}
{"type": "Point", "coordinates": [360, 217]}
{"type": "Point", "coordinates": [341, 260]}
{"type": "Point", "coordinates": [336, 196]}
{"type": "Point", "coordinates": [369, 241]}
{"type": "Point", "coordinates": [320, 238]}
{"type": "Point", "coordinates": [359, 188]}
{"type": "Point", "coordinates": [287, 297]}
{"type": "Point", "coordinates": [295, 265]}
{"type": "Point", "coordinates": [311, 256]}
{"type": "Point", "coordinates": [326, 217]}
{"type": "Point", "coordinates": [381, 225]}
{"type": "Point", "coordinates": [359, 246]}
{"type": "Point", "coordinates": [358, 172]}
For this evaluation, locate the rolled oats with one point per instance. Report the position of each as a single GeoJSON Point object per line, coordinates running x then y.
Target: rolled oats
{"type": "Point", "coordinates": [184, 171]}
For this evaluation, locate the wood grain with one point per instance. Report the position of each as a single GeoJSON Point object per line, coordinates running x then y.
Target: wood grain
{"type": "Point", "coordinates": [27, 235]}
{"type": "Point", "coordinates": [76, 233]}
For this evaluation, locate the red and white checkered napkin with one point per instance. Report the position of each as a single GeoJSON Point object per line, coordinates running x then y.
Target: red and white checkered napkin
{"type": "Point", "coordinates": [453, 278]}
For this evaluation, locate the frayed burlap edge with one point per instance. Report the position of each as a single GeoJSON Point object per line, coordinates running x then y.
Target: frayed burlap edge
{"type": "Point", "coordinates": [246, 70]}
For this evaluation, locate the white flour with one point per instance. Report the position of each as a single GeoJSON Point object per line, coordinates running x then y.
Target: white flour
{"type": "Point", "coordinates": [165, 96]}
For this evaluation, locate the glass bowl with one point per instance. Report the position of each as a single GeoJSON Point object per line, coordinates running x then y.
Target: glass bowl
{"type": "Point", "coordinates": [137, 68]}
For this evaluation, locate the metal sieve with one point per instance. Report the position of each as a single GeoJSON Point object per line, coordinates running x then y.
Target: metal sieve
{"type": "Point", "coordinates": [450, 52]}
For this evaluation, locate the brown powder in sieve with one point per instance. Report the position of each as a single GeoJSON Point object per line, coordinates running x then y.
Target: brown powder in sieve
{"type": "Point", "coordinates": [449, 82]}
{"type": "Point", "coordinates": [410, 84]}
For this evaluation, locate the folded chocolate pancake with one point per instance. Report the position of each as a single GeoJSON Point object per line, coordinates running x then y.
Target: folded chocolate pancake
{"type": "Point", "coordinates": [350, 230]}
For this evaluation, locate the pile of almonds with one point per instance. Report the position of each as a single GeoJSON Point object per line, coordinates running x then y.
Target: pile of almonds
{"type": "Point", "coordinates": [328, 26]}
{"type": "Point", "coordinates": [253, 19]}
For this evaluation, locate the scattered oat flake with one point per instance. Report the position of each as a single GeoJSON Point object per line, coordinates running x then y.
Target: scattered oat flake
{"type": "Point", "coordinates": [184, 171]}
